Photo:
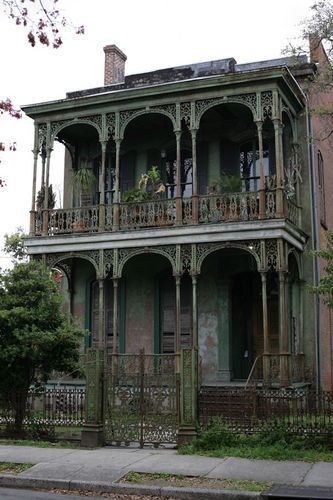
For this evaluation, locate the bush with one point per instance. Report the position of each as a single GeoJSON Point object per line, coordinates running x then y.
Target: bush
{"type": "Point", "coordinates": [310, 432]}
{"type": "Point", "coordinates": [217, 435]}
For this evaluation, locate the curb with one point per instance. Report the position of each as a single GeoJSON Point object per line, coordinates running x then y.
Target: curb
{"type": "Point", "coordinates": [12, 481]}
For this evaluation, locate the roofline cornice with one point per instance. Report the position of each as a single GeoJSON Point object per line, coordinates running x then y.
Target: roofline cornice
{"type": "Point", "coordinates": [190, 86]}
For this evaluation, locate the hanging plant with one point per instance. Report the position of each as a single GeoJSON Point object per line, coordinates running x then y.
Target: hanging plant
{"type": "Point", "coordinates": [51, 201]}
{"type": "Point", "coordinates": [84, 178]}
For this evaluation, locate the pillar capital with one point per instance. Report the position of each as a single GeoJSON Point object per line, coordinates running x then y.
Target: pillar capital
{"type": "Point", "coordinates": [259, 124]}
{"type": "Point", "coordinates": [103, 144]}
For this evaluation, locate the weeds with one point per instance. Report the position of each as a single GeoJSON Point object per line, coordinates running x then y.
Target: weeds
{"type": "Point", "coordinates": [276, 440]}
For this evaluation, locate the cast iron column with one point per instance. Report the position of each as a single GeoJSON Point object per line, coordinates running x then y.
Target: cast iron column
{"type": "Point", "coordinates": [262, 197]}
{"type": "Point", "coordinates": [101, 222]}
{"type": "Point", "coordinates": [46, 192]}
{"type": "Point", "coordinates": [195, 199]}
{"type": "Point", "coordinates": [116, 188]}
{"type": "Point", "coordinates": [283, 331]}
{"type": "Point", "coordinates": [179, 206]}
{"type": "Point", "coordinates": [115, 315]}
{"type": "Point", "coordinates": [101, 329]}
{"type": "Point", "coordinates": [33, 195]}
{"type": "Point", "coordinates": [195, 340]}
{"type": "Point", "coordinates": [178, 311]}
{"type": "Point", "coordinates": [279, 168]}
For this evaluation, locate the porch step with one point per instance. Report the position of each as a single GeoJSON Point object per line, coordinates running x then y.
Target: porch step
{"type": "Point", "coordinates": [294, 492]}
{"type": "Point", "coordinates": [228, 401]}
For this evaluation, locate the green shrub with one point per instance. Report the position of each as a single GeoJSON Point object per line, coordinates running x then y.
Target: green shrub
{"type": "Point", "coordinates": [217, 435]}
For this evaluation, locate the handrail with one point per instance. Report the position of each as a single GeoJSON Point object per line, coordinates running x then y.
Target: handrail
{"type": "Point", "coordinates": [252, 370]}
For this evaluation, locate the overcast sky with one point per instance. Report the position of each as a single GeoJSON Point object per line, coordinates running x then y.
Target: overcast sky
{"type": "Point", "coordinates": [153, 34]}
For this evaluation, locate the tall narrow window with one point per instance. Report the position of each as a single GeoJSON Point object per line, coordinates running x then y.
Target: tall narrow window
{"type": "Point", "coordinates": [321, 188]}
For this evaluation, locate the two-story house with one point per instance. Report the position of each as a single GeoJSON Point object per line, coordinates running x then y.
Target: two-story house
{"type": "Point", "coordinates": [192, 196]}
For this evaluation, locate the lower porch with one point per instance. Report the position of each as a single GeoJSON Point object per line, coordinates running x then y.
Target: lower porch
{"type": "Point", "coordinates": [246, 324]}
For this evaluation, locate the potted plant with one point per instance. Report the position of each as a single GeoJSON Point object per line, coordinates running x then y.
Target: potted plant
{"type": "Point", "coordinates": [84, 182]}
{"type": "Point", "coordinates": [133, 195]}
{"type": "Point", "coordinates": [150, 187]}
{"type": "Point", "coordinates": [84, 179]}
{"type": "Point", "coordinates": [51, 199]}
{"type": "Point", "coordinates": [227, 183]}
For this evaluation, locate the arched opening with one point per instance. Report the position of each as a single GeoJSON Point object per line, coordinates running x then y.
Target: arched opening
{"type": "Point", "coordinates": [228, 151]}
{"type": "Point", "coordinates": [82, 164]}
{"type": "Point", "coordinates": [230, 315]}
{"type": "Point", "coordinates": [149, 307]}
{"type": "Point", "coordinates": [147, 141]}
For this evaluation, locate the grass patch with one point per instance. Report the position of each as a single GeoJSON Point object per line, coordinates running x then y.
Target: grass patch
{"type": "Point", "coordinates": [39, 444]}
{"type": "Point", "coordinates": [13, 468]}
{"type": "Point", "coordinates": [178, 480]}
{"type": "Point", "coordinates": [273, 452]}
{"type": "Point", "coordinates": [274, 442]}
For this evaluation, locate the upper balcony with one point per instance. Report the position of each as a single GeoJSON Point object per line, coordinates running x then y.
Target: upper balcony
{"type": "Point", "coordinates": [224, 207]}
{"type": "Point", "coordinates": [180, 164]}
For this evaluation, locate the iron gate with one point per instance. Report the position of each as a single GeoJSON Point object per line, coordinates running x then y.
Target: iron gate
{"type": "Point", "coordinates": [141, 399]}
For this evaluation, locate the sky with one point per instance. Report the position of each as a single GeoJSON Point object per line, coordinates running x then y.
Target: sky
{"type": "Point", "coordinates": [153, 34]}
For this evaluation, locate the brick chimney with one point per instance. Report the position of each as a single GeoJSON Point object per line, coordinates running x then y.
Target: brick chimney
{"type": "Point", "coordinates": [114, 68]}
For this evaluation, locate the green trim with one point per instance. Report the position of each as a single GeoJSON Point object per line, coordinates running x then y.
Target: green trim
{"type": "Point", "coordinates": [122, 316]}
{"type": "Point", "coordinates": [157, 319]}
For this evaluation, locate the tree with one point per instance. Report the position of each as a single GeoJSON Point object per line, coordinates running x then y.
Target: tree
{"type": "Point", "coordinates": [316, 38]}
{"type": "Point", "coordinates": [325, 287]}
{"type": "Point", "coordinates": [42, 19]}
{"type": "Point", "coordinates": [36, 337]}
{"type": "Point", "coordinates": [319, 24]}
{"type": "Point", "coordinates": [14, 245]}
{"type": "Point", "coordinates": [44, 24]}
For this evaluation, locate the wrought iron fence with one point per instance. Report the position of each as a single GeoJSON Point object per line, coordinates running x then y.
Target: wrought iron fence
{"type": "Point", "coordinates": [57, 407]}
{"type": "Point", "coordinates": [300, 411]}
{"type": "Point", "coordinates": [141, 394]}
{"type": "Point", "coordinates": [228, 207]}
{"type": "Point", "coordinates": [154, 213]}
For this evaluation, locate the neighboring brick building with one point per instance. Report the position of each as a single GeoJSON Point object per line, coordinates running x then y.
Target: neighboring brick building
{"type": "Point", "coordinates": [210, 249]}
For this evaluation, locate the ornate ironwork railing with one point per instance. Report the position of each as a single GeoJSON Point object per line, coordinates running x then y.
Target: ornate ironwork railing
{"type": "Point", "coordinates": [60, 407]}
{"type": "Point", "coordinates": [300, 410]}
{"type": "Point", "coordinates": [38, 222]}
{"type": "Point", "coordinates": [72, 220]}
{"type": "Point", "coordinates": [292, 211]}
{"type": "Point", "coordinates": [155, 213]}
{"type": "Point", "coordinates": [228, 207]}
{"type": "Point", "coordinates": [276, 370]}
{"type": "Point", "coordinates": [270, 204]}
{"type": "Point", "coordinates": [187, 210]}
{"type": "Point", "coordinates": [213, 208]}
{"type": "Point", "coordinates": [141, 399]}
{"type": "Point", "coordinates": [108, 217]}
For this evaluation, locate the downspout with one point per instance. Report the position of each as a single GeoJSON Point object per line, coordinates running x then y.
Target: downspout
{"type": "Point", "coordinates": [315, 240]}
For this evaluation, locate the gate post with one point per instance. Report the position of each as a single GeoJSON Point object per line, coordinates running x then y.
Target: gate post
{"type": "Point", "coordinates": [92, 431]}
{"type": "Point", "coordinates": [188, 394]}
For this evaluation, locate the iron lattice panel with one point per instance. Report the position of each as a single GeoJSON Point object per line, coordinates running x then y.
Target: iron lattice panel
{"type": "Point", "coordinates": [141, 400]}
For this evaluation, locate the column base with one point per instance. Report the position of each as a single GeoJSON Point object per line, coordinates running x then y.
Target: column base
{"type": "Point", "coordinates": [186, 434]}
{"type": "Point", "coordinates": [92, 436]}
{"type": "Point", "coordinates": [224, 376]}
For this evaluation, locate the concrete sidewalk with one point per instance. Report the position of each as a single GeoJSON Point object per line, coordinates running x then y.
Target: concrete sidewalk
{"type": "Point", "coordinates": [99, 469]}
